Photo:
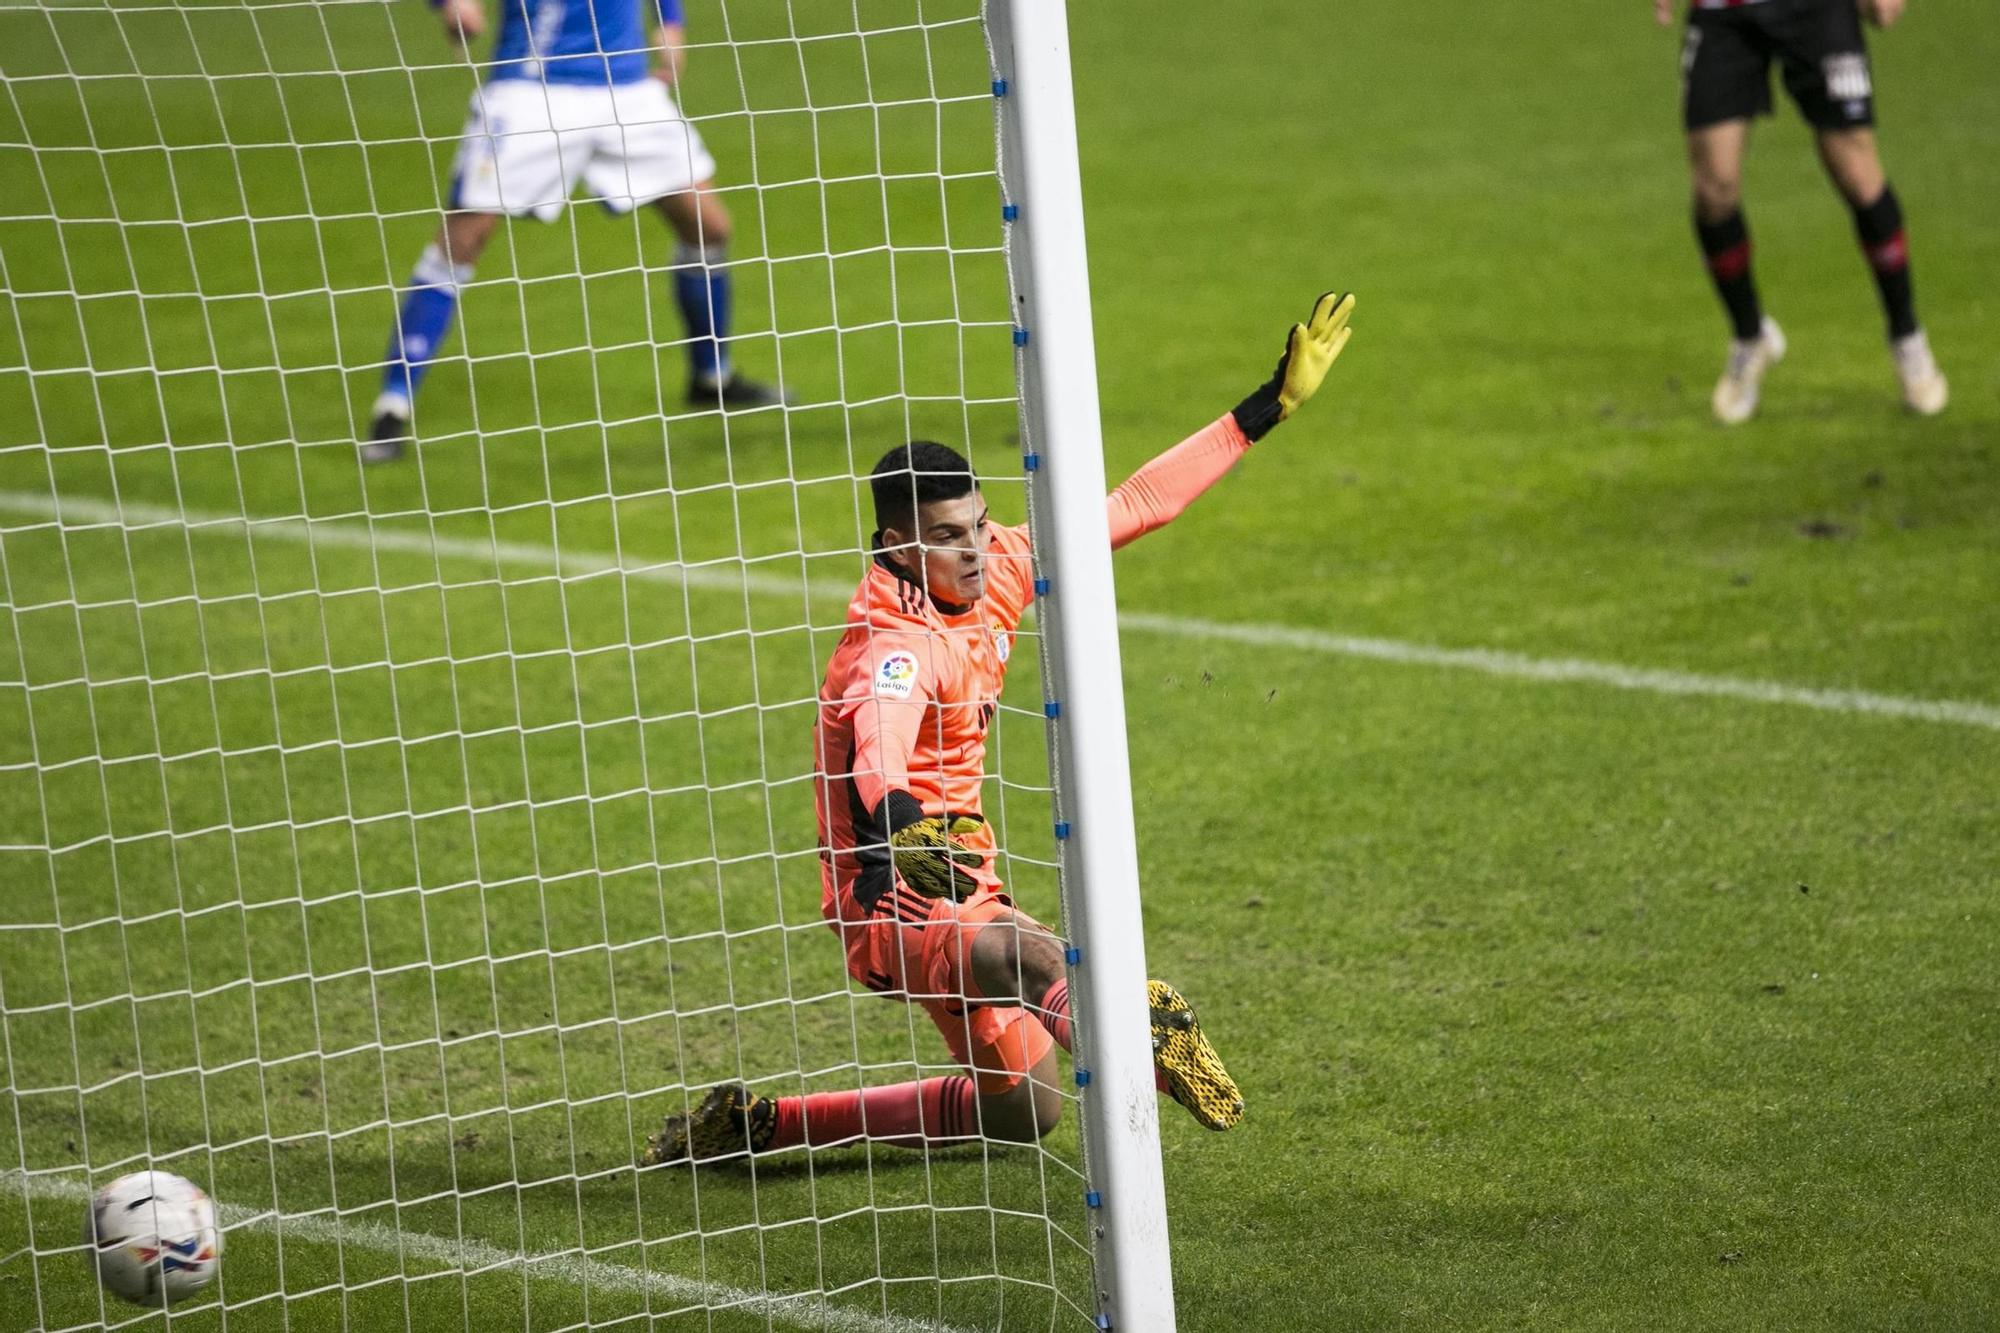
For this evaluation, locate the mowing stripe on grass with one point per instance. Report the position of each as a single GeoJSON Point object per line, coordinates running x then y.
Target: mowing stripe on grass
{"type": "Point", "coordinates": [477, 1258]}
{"type": "Point", "coordinates": [733, 576]}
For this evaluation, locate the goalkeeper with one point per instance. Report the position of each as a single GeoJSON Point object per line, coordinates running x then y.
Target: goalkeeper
{"type": "Point", "coordinates": [907, 864]}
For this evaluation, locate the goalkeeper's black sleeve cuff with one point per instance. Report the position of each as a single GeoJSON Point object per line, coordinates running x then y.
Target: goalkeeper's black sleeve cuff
{"type": "Point", "coordinates": [1259, 412]}
{"type": "Point", "coordinates": [897, 812]}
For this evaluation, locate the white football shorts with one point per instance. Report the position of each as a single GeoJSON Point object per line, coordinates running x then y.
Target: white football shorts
{"type": "Point", "coordinates": [527, 144]}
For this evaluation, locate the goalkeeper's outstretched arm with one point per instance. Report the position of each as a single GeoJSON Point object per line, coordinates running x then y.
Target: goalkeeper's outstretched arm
{"type": "Point", "coordinates": [1156, 494]}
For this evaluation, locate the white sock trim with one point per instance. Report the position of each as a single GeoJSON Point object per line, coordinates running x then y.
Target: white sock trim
{"type": "Point", "coordinates": [710, 253]}
{"type": "Point", "coordinates": [433, 271]}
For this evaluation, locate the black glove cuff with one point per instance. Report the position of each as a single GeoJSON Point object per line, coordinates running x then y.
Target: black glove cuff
{"type": "Point", "coordinates": [897, 812]}
{"type": "Point", "coordinates": [1259, 412]}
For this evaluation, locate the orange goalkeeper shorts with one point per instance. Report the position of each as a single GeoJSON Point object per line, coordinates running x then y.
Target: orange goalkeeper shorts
{"type": "Point", "coordinates": [916, 949]}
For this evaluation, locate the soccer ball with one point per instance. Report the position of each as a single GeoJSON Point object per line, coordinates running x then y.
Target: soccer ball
{"type": "Point", "coordinates": [153, 1234]}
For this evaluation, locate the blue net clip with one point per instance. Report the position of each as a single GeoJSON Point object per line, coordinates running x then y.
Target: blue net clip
{"type": "Point", "coordinates": [1041, 587]}
{"type": "Point", "coordinates": [1008, 212]}
{"type": "Point", "coordinates": [1083, 1078]}
{"type": "Point", "coordinates": [1031, 462]}
{"type": "Point", "coordinates": [1052, 709]}
{"type": "Point", "coordinates": [1020, 337]}
{"type": "Point", "coordinates": [1072, 955]}
{"type": "Point", "coordinates": [999, 87]}
{"type": "Point", "coordinates": [1062, 829]}
{"type": "Point", "coordinates": [1092, 1199]}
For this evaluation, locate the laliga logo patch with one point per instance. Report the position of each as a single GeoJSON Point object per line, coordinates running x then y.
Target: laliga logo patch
{"type": "Point", "coordinates": [1003, 644]}
{"type": "Point", "coordinates": [897, 675]}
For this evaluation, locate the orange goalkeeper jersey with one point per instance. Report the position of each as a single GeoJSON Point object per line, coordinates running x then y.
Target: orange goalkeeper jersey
{"type": "Point", "coordinates": [911, 690]}
{"type": "Point", "coordinates": [906, 702]}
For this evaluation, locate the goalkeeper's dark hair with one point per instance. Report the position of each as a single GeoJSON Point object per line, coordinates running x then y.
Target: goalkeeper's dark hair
{"type": "Point", "coordinates": [914, 474]}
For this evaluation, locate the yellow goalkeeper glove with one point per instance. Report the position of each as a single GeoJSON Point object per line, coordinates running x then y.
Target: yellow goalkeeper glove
{"type": "Point", "coordinates": [1309, 354]}
{"type": "Point", "coordinates": [932, 860]}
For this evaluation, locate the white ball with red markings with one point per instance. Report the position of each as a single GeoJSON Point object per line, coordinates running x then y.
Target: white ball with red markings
{"type": "Point", "coordinates": [154, 1235]}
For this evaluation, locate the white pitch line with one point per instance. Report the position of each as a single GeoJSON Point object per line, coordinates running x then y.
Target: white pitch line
{"type": "Point", "coordinates": [1518, 666]}
{"type": "Point", "coordinates": [477, 1258]}
{"type": "Point", "coordinates": [737, 577]}
{"type": "Point", "coordinates": [726, 576]}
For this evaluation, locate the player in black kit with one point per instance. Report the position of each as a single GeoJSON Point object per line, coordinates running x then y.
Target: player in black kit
{"type": "Point", "coordinates": [1726, 72]}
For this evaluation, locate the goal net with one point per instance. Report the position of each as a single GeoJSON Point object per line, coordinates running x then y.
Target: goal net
{"type": "Point", "coordinates": [388, 848]}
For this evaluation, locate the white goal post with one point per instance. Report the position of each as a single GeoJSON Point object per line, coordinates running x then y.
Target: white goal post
{"type": "Point", "coordinates": [387, 846]}
{"type": "Point", "coordinates": [1060, 430]}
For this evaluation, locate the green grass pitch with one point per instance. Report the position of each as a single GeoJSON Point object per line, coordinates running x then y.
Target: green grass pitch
{"type": "Point", "coordinates": [1556, 1004]}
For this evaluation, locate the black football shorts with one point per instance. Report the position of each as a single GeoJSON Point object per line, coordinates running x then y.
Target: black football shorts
{"type": "Point", "coordinates": [1726, 63]}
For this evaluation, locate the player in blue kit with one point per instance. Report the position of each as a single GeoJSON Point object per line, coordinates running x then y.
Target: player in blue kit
{"type": "Point", "coordinates": [572, 94]}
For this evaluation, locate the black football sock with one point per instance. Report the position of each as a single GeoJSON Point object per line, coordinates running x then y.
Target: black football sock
{"type": "Point", "coordinates": [1726, 247]}
{"type": "Point", "coordinates": [1880, 228]}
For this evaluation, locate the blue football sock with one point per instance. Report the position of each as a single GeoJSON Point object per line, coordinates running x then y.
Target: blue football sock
{"type": "Point", "coordinates": [423, 322]}
{"type": "Point", "coordinates": [701, 286]}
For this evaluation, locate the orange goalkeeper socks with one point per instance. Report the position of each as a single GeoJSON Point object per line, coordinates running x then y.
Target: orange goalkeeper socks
{"type": "Point", "coordinates": [933, 1112]}
{"type": "Point", "coordinates": [1054, 1013]}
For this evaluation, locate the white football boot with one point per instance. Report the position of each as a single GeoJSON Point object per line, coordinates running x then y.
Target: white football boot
{"type": "Point", "coordinates": [1924, 389]}
{"type": "Point", "coordinates": [1742, 379]}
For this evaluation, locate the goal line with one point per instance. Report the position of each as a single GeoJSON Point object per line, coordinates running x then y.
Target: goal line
{"type": "Point", "coordinates": [473, 1259]}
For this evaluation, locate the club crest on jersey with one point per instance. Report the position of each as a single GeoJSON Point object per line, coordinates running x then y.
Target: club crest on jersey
{"type": "Point", "coordinates": [897, 675]}
{"type": "Point", "coordinates": [1003, 642]}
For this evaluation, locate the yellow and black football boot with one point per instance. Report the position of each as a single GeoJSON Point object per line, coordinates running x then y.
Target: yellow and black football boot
{"type": "Point", "coordinates": [731, 1121]}
{"type": "Point", "coordinates": [1194, 1073]}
